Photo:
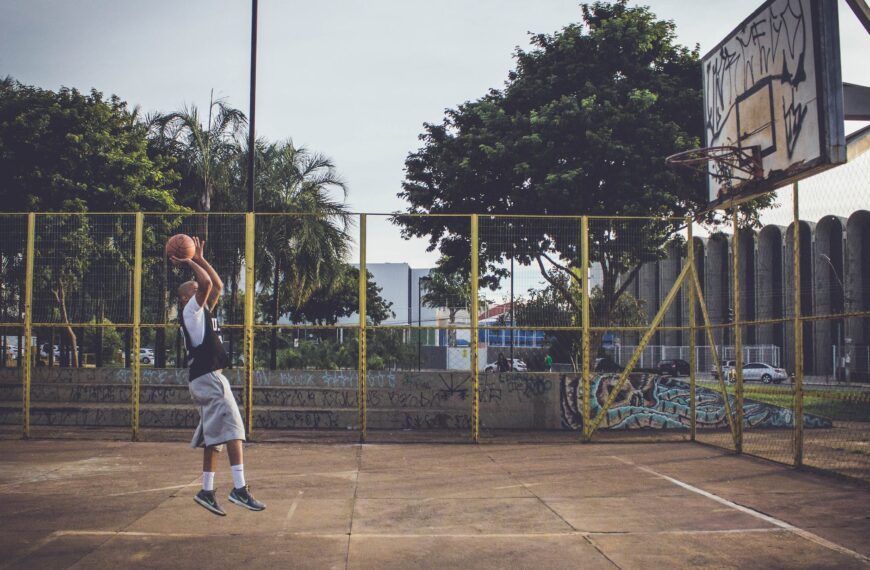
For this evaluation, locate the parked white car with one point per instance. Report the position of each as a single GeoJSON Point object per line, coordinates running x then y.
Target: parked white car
{"type": "Point", "coordinates": [759, 371]}
{"type": "Point", "coordinates": [146, 355]}
{"type": "Point", "coordinates": [518, 366]}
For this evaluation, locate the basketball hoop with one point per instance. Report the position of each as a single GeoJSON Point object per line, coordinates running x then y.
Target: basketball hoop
{"type": "Point", "coordinates": [731, 166]}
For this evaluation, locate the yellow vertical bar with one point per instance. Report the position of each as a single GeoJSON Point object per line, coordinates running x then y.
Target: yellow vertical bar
{"type": "Point", "coordinates": [798, 336]}
{"type": "Point", "coordinates": [137, 320]}
{"type": "Point", "coordinates": [738, 333]}
{"type": "Point", "coordinates": [584, 323]}
{"type": "Point", "coordinates": [690, 259]}
{"type": "Point", "coordinates": [362, 363]}
{"type": "Point", "coordinates": [250, 292]}
{"type": "Point", "coordinates": [28, 325]}
{"type": "Point", "coordinates": [475, 374]}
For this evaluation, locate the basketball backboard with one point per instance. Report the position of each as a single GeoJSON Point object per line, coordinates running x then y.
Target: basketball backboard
{"type": "Point", "coordinates": [774, 83]}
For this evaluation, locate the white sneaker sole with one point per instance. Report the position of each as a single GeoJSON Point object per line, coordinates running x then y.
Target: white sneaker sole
{"type": "Point", "coordinates": [208, 507]}
{"type": "Point", "coordinates": [241, 504]}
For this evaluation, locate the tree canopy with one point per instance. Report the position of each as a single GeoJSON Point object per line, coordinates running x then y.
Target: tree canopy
{"type": "Point", "coordinates": [67, 151]}
{"type": "Point", "coordinates": [582, 126]}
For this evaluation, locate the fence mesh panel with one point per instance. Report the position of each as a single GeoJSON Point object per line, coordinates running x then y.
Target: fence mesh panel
{"type": "Point", "coordinates": [420, 321]}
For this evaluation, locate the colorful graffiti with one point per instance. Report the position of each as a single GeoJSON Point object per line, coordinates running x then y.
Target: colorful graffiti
{"type": "Point", "coordinates": [662, 402]}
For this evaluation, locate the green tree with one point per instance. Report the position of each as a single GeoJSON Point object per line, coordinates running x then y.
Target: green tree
{"type": "Point", "coordinates": [340, 298]}
{"type": "Point", "coordinates": [204, 148]}
{"type": "Point", "coordinates": [560, 297]}
{"type": "Point", "coordinates": [67, 151]}
{"type": "Point", "coordinates": [71, 152]}
{"type": "Point", "coordinates": [447, 289]}
{"type": "Point", "coordinates": [582, 126]}
{"type": "Point", "coordinates": [304, 250]}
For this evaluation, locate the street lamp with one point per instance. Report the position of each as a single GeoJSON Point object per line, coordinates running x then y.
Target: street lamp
{"type": "Point", "coordinates": [419, 322]}
{"type": "Point", "coordinates": [838, 322]}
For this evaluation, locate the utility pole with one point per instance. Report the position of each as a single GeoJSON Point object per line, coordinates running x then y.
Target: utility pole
{"type": "Point", "coordinates": [252, 115]}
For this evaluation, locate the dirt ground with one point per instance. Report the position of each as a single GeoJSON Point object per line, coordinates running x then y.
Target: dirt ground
{"type": "Point", "coordinates": [87, 501]}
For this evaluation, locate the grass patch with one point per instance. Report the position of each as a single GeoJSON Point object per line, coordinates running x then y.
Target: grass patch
{"type": "Point", "coordinates": [837, 405]}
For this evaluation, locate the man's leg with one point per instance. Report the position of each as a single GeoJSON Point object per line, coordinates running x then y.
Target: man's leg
{"type": "Point", "coordinates": [240, 495]}
{"type": "Point", "coordinates": [206, 496]}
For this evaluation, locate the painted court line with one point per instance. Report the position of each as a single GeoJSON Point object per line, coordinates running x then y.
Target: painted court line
{"type": "Point", "coordinates": [292, 510]}
{"type": "Point", "coordinates": [746, 510]}
{"type": "Point", "coordinates": [512, 535]}
{"type": "Point", "coordinates": [155, 489]}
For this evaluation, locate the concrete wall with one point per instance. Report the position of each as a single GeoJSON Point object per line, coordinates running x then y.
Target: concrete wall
{"type": "Point", "coordinates": [422, 401]}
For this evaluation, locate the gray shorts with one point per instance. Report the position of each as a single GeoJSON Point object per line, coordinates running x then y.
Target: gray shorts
{"type": "Point", "coordinates": [219, 417]}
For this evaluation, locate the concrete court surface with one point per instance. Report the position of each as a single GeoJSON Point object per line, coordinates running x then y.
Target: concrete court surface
{"type": "Point", "coordinates": [104, 504]}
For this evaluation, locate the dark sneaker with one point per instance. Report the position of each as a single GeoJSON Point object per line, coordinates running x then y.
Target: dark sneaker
{"type": "Point", "coordinates": [244, 498]}
{"type": "Point", "coordinates": [207, 501]}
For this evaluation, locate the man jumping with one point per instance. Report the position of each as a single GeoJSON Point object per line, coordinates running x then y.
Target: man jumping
{"type": "Point", "coordinates": [220, 421]}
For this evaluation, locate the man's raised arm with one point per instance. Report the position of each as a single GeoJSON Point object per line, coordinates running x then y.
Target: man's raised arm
{"type": "Point", "coordinates": [217, 284]}
{"type": "Point", "coordinates": [203, 281]}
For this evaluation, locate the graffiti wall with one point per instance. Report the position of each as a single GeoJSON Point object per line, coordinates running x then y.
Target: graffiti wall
{"type": "Point", "coordinates": [661, 402]}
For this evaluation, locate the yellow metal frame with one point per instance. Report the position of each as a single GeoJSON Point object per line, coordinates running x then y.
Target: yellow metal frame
{"type": "Point", "coordinates": [798, 336]}
{"type": "Point", "coordinates": [693, 402]}
{"type": "Point", "coordinates": [475, 372]}
{"type": "Point", "coordinates": [696, 286]}
{"type": "Point", "coordinates": [248, 391]}
{"type": "Point", "coordinates": [362, 364]}
{"type": "Point", "coordinates": [689, 274]}
{"type": "Point", "coordinates": [28, 326]}
{"type": "Point", "coordinates": [629, 367]}
{"type": "Point", "coordinates": [584, 323]}
{"type": "Point", "coordinates": [135, 365]}
{"type": "Point", "coordinates": [738, 329]}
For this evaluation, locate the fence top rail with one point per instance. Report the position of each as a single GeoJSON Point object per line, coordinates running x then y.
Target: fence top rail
{"type": "Point", "coordinates": [373, 214]}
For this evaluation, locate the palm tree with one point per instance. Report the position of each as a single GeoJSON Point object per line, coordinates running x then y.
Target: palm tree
{"type": "Point", "coordinates": [204, 151]}
{"type": "Point", "coordinates": [302, 253]}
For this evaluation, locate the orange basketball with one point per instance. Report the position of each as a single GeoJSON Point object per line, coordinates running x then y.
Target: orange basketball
{"type": "Point", "coordinates": [180, 246]}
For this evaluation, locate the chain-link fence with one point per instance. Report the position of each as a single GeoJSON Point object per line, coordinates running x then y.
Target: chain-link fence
{"type": "Point", "coordinates": [592, 327]}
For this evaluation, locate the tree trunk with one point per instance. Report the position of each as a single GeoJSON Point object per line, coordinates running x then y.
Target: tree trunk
{"type": "Point", "coordinates": [60, 296]}
{"type": "Point", "coordinates": [273, 349]}
{"type": "Point", "coordinates": [99, 332]}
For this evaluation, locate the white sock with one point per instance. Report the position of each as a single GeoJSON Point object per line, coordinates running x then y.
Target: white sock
{"type": "Point", "coordinates": [208, 480]}
{"type": "Point", "coordinates": [238, 475]}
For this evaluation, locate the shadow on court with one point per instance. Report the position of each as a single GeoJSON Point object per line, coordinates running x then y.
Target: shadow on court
{"type": "Point", "coordinates": [80, 500]}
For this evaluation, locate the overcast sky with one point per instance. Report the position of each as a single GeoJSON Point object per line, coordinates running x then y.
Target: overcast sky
{"type": "Point", "coordinates": [354, 80]}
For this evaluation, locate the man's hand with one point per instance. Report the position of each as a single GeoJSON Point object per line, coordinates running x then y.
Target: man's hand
{"type": "Point", "coordinates": [178, 262]}
{"type": "Point", "coordinates": [200, 247]}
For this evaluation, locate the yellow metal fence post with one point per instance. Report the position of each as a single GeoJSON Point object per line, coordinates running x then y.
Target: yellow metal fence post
{"type": "Point", "coordinates": [28, 325]}
{"type": "Point", "coordinates": [362, 363]}
{"type": "Point", "coordinates": [690, 259]}
{"type": "Point", "coordinates": [248, 390]}
{"type": "Point", "coordinates": [738, 333]}
{"type": "Point", "coordinates": [717, 364]}
{"type": "Point", "coordinates": [798, 335]}
{"type": "Point", "coordinates": [645, 339]}
{"type": "Point", "coordinates": [475, 374]}
{"type": "Point", "coordinates": [135, 365]}
{"type": "Point", "coordinates": [584, 323]}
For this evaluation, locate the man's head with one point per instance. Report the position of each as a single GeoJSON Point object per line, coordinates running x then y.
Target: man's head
{"type": "Point", "coordinates": [187, 290]}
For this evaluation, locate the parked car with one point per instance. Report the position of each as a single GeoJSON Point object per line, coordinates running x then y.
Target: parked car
{"type": "Point", "coordinates": [606, 364]}
{"type": "Point", "coordinates": [43, 351]}
{"type": "Point", "coordinates": [759, 371]}
{"type": "Point", "coordinates": [518, 366]}
{"type": "Point", "coordinates": [673, 367]}
{"type": "Point", "coordinates": [727, 366]}
{"type": "Point", "coordinates": [146, 355]}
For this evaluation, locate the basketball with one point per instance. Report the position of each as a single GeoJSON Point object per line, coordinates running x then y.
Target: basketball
{"type": "Point", "coordinates": [180, 246]}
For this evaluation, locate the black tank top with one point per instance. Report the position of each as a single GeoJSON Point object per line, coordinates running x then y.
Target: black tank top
{"type": "Point", "coordinates": [210, 355]}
